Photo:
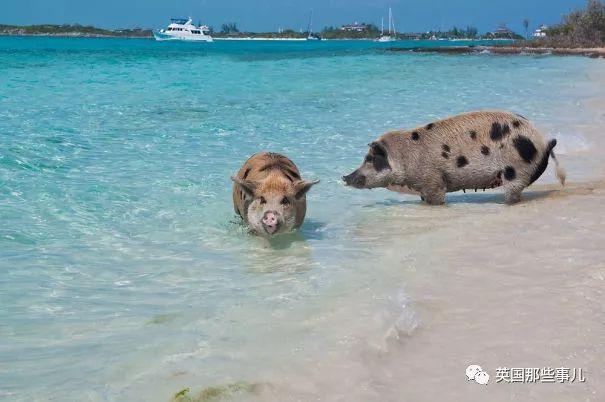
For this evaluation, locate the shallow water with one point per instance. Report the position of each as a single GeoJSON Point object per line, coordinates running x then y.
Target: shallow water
{"type": "Point", "coordinates": [123, 271]}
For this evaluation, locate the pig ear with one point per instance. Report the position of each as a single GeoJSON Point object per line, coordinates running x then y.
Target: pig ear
{"type": "Point", "coordinates": [247, 186]}
{"type": "Point", "coordinates": [301, 188]}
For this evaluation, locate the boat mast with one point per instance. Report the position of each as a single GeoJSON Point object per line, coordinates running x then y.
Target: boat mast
{"type": "Point", "coordinates": [310, 26]}
{"type": "Point", "coordinates": [382, 27]}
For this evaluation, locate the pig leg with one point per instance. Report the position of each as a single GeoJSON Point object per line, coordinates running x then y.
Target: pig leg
{"type": "Point", "coordinates": [434, 193]}
{"type": "Point", "coordinates": [512, 194]}
{"type": "Point", "coordinates": [434, 198]}
{"type": "Point", "coordinates": [512, 191]}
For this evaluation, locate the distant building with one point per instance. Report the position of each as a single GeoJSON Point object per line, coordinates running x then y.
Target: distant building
{"type": "Point", "coordinates": [540, 32]}
{"type": "Point", "coordinates": [356, 27]}
{"type": "Point", "coordinates": [502, 33]}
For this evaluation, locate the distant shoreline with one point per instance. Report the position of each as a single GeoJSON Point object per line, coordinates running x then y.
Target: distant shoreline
{"type": "Point", "coordinates": [77, 35]}
{"type": "Point", "coordinates": [73, 31]}
{"type": "Point", "coordinates": [228, 38]}
{"type": "Point", "coordinates": [222, 38]}
{"type": "Point", "coordinates": [598, 52]}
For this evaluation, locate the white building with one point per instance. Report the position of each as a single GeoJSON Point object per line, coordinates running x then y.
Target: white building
{"type": "Point", "coordinates": [540, 32]}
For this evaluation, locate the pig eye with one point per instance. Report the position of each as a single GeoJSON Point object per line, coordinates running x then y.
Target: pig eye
{"type": "Point", "coordinates": [285, 201]}
{"type": "Point", "coordinates": [262, 200]}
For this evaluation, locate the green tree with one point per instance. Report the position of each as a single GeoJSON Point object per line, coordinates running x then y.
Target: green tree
{"type": "Point", "coordinates": [229, 28]}
{"type": "Point", "coordinates": [580, 28]}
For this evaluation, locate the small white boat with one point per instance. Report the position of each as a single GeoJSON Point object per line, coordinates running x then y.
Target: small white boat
{"type": "Point", "coordinates": [392, 36]}
{"type": "Point", "coordinates": [183, 29]}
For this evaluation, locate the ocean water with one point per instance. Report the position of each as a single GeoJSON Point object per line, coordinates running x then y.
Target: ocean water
{"type": "Point", "coordinates": [124, 273]}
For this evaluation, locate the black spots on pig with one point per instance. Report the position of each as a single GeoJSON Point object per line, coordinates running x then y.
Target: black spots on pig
{"type": "Point", "coordinates": [473, 134]}
{"type": "Point", "coordinates": [510, 173]}
{"type": "Point", "coordinates": [461, 161]}
{"type": "Point", "coordinates": [430, 126]}
{"type": "Point", "coordinates": [505, 129]}
{"type": "Point", "coordinates": [485, 150]}
{"type": "Point", "coordinates": [246, 173]}
{"type": "Point", "coordinates": [526, 148]}
{"type": "Point", "coordinates": [380, 163]}
{"type": "Point", "coordinates": [516, 123]}
{"type": "Point", "coordinates": [378, 156]}
{"type": "Point", "coordinates": [415, 136]}
{"type": "Point", "coordinates": [499, 131]}
{"type": "Point", "coordinates": [446, 151]}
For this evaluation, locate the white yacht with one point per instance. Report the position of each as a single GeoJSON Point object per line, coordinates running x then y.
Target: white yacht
{"type": "Point", "coordinates": [183, 29]}
{"type": "Point", "coordinates": [392, 36]}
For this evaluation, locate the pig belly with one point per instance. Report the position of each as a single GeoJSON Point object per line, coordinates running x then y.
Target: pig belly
{"type": "Point", "coordinates": [482, 182]}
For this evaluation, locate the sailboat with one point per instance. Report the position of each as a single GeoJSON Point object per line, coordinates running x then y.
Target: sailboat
{"type": "Point", "coordinates": [310, 34]}
{"type": "Point", "coordinates": [392, 36]}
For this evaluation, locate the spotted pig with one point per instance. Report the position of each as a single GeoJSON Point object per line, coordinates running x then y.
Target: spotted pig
{"type": "Point", "coordinates": [476, 150]}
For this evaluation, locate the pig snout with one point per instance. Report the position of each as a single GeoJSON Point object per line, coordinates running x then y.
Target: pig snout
{"type": "Point", "coordinates": [354, 179]}
{"type": "Point", "coordinates": [271, 222]}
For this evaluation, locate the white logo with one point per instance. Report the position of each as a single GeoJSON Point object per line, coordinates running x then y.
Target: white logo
{"type": "Point", "coordinates": [475, 372]}
{"type": "Point", "coordinates": [482, 378]}
{"type": "Point", "coordinates": [472, 370]}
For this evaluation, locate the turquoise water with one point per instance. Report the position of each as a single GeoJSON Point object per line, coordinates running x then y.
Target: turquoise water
{"type": "Point", "coordinates": [123, 271]}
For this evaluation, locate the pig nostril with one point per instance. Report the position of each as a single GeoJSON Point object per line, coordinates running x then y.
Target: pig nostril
{"type": "Point", "coordinates": [270, 219]}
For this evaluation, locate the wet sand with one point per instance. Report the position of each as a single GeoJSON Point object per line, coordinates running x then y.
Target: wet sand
{"type": "Point", "coordinates": [521, 288]}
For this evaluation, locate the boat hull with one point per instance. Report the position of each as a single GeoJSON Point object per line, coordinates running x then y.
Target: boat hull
{"type": "Point", "coordinates": [161, 36]}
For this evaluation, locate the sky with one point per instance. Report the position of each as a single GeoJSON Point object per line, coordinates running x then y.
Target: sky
{"type": "Point", "coordinates": [270, 15]}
